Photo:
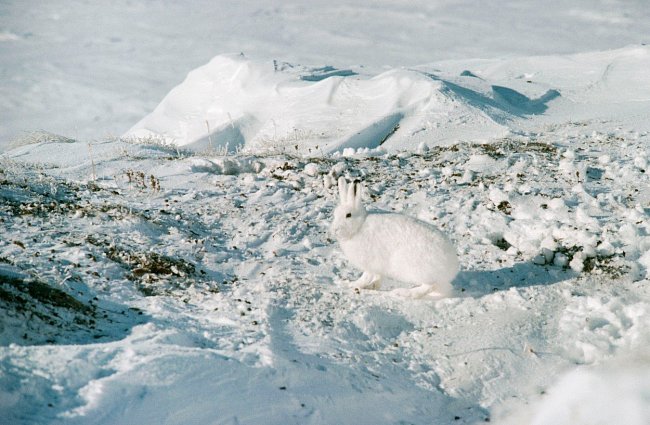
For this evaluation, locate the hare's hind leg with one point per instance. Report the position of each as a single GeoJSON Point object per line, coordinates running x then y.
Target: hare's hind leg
{"type": "Point", "coordinates": [413, 293]}
{"type": "Point", "coordinates": [432, 291]}
{"type": "Point", "coordinates": [367, 281]}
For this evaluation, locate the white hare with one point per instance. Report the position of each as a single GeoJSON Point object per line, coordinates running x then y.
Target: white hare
{"type": "Point", "coordinates": [394, 246]}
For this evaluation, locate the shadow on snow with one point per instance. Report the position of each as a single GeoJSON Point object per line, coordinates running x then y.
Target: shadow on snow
{"type": "Point", "coordinates": [483, 282]}
{"type": "Point", "coordinates": [504, 103]}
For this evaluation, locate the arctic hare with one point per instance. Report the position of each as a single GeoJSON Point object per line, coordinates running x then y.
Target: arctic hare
{"type": "Point", "coordinates": [394, 246]}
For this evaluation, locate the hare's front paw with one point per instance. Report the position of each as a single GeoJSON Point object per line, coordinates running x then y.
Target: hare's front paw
{"type": "Point", "coordinates": [366, 281]}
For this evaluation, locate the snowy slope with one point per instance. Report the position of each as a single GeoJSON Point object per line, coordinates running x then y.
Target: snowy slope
{"type": "Point", "coordinates": [233, 103]}
{"type": "Point", "coordinates": [186, 274]}
{"type": "Point", "coordinates": [223, 295]}
{"type": "Point", "coordinates": [89, 70]}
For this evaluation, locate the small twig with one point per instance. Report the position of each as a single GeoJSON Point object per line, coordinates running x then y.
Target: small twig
{"type": "Point", "coordinates": [207, 123]}
{"type": "Point", "coordinates": [92, 161]}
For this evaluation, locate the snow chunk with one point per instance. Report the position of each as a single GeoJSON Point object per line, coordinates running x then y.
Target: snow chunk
{"type": "Point", "coordinates": [598, 327]}
{"type": "Point", "coordinates": [481, 163]}
{"type": "Point", "coordinates": [312, 169]}
{"type": "Point", "coordinates": [644, 260]}
{"type": "Point", "coordinates": [225, 166]}
{"type": "Point", "coordinates": [641, 162]}
{"type": "Point", "coordinates": [614, 394]}
{"type": "Point", "coordinates": [497, 196]}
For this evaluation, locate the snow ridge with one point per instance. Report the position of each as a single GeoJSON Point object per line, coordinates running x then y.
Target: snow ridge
{"type": "Point", "coordinates": [234, 103]}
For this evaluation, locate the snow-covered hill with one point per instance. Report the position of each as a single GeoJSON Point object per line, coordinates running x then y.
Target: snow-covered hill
{"type": "Point", "coordinates": [90, 70]}
{"type": "Point", "coordinates": [233, 103]}
{"type": "Point", "coordinates": [185, 272]}
{"type": "Point", "coordinates": [194, 288]}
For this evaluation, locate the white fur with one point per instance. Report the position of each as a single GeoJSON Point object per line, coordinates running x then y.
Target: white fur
{"type": "Point", "coordinates": [393, 246]}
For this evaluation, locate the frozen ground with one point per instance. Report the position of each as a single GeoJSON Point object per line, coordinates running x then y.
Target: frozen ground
{"type": "Point", "coordinates": [207, 289]}
{"type": "Point", "coordinates": [184, 273]}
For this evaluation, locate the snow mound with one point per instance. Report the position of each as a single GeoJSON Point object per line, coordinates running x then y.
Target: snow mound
{"type": "Point", "coordinates": [233, 103]}
{"type": "Point", "coordinates": [599, 327]}
{"type": "Point", "coordinates": [612, 394]}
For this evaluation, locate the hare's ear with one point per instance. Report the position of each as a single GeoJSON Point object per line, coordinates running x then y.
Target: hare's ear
{"type": "Point", "coordinates": [357, 194]}
{"type": "Point", "coordinates": [352, 194]}
{"type": "Point", "coordinates": [343, 190]}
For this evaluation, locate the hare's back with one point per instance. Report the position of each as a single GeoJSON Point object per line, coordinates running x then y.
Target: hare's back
{"type": "Point", "coordinates": [411, 248]}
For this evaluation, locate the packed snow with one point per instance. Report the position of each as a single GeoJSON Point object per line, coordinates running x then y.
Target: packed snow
{"type": "Point", "coordinates": [185, 269]}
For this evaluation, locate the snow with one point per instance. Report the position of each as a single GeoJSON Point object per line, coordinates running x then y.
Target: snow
{"type": "Point", "coordinates": [234, 103]}
{"type": "Point", "coordinates": [606, 395]}
{"type": "Point", "coordinates": [244, 299]}
{"type": "Point", "coordinates": [186, 272]}
{"type": "Point", "coordinates": [105, 67]}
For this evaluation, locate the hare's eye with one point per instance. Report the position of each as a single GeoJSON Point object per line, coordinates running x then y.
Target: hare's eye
{"type": "Point", "coordinates": [348, 215]}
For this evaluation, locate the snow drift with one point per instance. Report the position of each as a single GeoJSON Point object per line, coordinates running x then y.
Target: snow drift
{"type": "Point", "coordinates": [233, 103]}
{"type": "Point", "coordinates": [611, 394]}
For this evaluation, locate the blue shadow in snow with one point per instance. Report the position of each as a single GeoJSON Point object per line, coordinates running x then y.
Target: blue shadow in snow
{"type": "Point", "coordinates": [483, 282]}
{"type": "Point", "coordinates": [504, 101]}
{"type": "Point", "coordinates": [319, 74]}
{"type": "Point", "coordinates": [521, 104]}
